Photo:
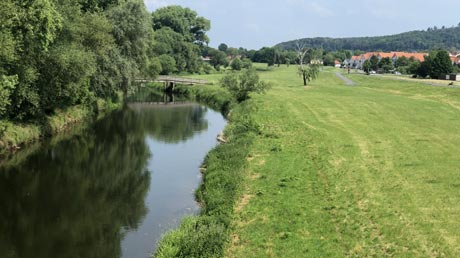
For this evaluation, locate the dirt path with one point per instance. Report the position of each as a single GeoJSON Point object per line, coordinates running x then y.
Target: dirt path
{"type": "Point", "coordinates": [345, 79]}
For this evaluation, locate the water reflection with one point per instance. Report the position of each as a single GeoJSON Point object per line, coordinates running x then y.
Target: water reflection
{"type": "Point", "coordinates": [99, 191]}
{"type": "Point", "coordinates": [75, 198]}
{"type": "Point", "coordinates": [171, 121]}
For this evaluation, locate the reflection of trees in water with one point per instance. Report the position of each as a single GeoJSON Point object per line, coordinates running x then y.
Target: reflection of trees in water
{"type": "Point", "coordinates": [76, 198]}
{"type": "Point", "coordinates": [172, 124]}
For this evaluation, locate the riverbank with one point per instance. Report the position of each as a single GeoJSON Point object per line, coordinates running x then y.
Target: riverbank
{"type": "Point", "coordinates": [14, 136]}
{"type": "Point", "coordinates": [370, 170]}
{"type": "Point", "coordinates": [207, 235]}
{"type": "Point", "coordinates": [335, 171]}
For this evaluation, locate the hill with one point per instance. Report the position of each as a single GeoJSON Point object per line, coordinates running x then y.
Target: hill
{"type": "Point", "coordinates": [423, 40]}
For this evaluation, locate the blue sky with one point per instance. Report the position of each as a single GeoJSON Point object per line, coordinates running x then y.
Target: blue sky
{"type": "Point", "coordinates": [256, 23]}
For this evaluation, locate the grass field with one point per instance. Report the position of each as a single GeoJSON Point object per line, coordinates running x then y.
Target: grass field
{"type": "Point", "coordinates": [369, 170]}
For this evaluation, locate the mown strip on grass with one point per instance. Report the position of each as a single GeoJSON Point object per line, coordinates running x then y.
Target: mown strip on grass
{"type": "Point", "coordinates": [206, 235]}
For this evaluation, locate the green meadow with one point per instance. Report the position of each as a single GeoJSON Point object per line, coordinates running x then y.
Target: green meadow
{"type": "Point", "coordinates": [369, 170]}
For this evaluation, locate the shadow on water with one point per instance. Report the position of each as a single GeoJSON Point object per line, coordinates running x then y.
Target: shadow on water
{"type": "Point", "coordinates": [81, 195]}
{"type": "Point", "coordinates": [68, 200]}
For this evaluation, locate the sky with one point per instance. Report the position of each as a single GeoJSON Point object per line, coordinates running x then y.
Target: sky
{"type": "Point", "coordinates": [253, 24]}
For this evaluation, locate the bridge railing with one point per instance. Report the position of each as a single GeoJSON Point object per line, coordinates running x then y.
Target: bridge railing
{"type": "Point", "coordinates": [174, 80]}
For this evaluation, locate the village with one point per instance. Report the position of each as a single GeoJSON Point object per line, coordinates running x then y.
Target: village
{"type": "Point", "coordinates": [357, 62]}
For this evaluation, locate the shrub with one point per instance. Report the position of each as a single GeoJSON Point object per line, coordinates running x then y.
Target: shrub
{"type": "Point", "coordinates": [241, 85]}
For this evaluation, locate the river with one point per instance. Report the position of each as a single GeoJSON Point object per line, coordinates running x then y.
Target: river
{"type": "Point", "coordinates": [110, 189]}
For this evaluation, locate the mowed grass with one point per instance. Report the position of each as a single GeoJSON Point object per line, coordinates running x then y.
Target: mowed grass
{"type": "Point", "coordinates": [370, 170]}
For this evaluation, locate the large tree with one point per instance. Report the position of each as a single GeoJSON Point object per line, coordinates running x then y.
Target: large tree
{"type": "Point", "coordinates": [440, 64]}
{"type": "Point", "coordinates": [180, 33]}
{"type": "Point", "coordinates": [183, 21]}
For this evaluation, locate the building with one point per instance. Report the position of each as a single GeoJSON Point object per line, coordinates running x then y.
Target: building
{"type": "Point", "coordinates": [358, 61]}
{"type": "Point", "coordinates": [337, 64]}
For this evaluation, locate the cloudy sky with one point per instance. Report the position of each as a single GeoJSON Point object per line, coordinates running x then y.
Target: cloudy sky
{"type": "Point", "coordinates": [256, 23]}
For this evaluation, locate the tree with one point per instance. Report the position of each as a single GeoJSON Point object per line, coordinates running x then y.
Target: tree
{"type": "Point", "coordinates": [241, 85]}
{"type": "Point", "coordinates": [132, 31]}
{"type": "Point", "coordinates": [308, 71]}
{"type": "Point", "coordinates": [402, 61]}
{"type": "Point", "coordinates": [329, 59]}
{"type": "Point", "coordinates": [236, 64]}
{"type": "Point", "coordinates": [29, 28]}
{"type": "Point", "coordinates": [246, 63]}
{"type": "Point", "coordinates": [367, 66]}
{"type": "Point", "coordinates": [168, 64]}
{"type": "Point", "coordinates": [183, 21]}
{"type": "Point", "coordinates": [440, 64]}
{"type": "Point", "coordinates": [265, 55]}
{"type": "Point", "coordinates": [374, 62]}
{"type": "Point", "coordinates": [7, 85]}
{"type": "Point", "coordinates": [181, 33]}
{"type": "Point", "coordinates": [223, 47]}
{"type": "Point", "coordinates": [424, 68]}
{"type": "Point", "coordinates": [218, 58]}
{"type": "Point", "coordinates": [386, 64]}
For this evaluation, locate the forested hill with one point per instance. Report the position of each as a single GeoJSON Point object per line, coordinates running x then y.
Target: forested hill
{"type": "Point", "coordinates": [446, 38]}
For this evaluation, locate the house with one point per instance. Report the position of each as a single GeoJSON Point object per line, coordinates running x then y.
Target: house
{"type": "Point", "coordinates": [337, 64]}
{"type": "Point", "coordinates": [316, 62]}
{"type": "Point", "coordinates": [358, 61]}
{"type": "Point", "coordinates": [455, 58]}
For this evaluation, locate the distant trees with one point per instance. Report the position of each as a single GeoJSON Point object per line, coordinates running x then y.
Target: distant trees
{"type": "Point", "coordinates": [218, 59]}
{"type": "Point", "coordinates": [448, 38]}
{"type": "Point", "coordinates": [236, 64]}
{"type": "Point", "coordinates": [223, 47]}
{"type": "Point", "coordinates": [436, 64]}
{"type": "Point", "coordinates": [374, 62]}
{"type": "Point", "coordinates": [386, 64]}
{"type": "Point", "coordinates": [367, 66]}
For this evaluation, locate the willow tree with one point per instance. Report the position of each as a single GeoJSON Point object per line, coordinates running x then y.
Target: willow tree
{"type": "Point", "coordinates": [308, 63]}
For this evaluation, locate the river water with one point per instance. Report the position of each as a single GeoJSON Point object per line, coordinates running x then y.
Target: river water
{"type": "Point", "coordinates": [108, 190]}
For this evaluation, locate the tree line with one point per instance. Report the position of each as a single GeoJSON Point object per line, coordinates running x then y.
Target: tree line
{"type": "Point", "coordinates": [422, 40]}
{"type": "Point", "coordinates": [60, 53]}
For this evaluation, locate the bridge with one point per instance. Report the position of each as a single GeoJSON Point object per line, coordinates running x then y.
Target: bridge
{"type": "Point", "coordinates": [170, 81]}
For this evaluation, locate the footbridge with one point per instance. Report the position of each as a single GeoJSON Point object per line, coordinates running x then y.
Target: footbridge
{"type": "Point", "coordinates": [170, 81]}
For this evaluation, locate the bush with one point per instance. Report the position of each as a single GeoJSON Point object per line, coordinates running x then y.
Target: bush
{"type": "Point", "coordinates": [241, 85]}
{"type": "Point", "coordinates": [236, 64]}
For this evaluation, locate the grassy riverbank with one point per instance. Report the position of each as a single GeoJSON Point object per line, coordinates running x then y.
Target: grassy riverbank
{"type": "Point", "coordinates": [13, 135]}
{"type": "Point", "coordinates": [370, 170]}
{"type": "Point", "coordinates": [334, 170]}
{"type": "Point", "coordinates": [207, 235]}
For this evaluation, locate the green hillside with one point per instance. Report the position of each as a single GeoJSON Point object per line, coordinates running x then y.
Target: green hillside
{"type": "Point", "coordinates": [446, 38]}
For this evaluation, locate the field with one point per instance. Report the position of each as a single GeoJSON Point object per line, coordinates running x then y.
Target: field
{"type": "Point", "coordinates": [369, 170]}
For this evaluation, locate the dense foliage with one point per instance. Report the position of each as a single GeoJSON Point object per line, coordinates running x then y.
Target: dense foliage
{"type": "Point", "coordinates": [446, 38]}
{"type": "Point", "coordinates": [57, 54]}
{"type": "Point", "coordinates": [180, 34]}
{"type": "Point", "coordinates": [436, 65]}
